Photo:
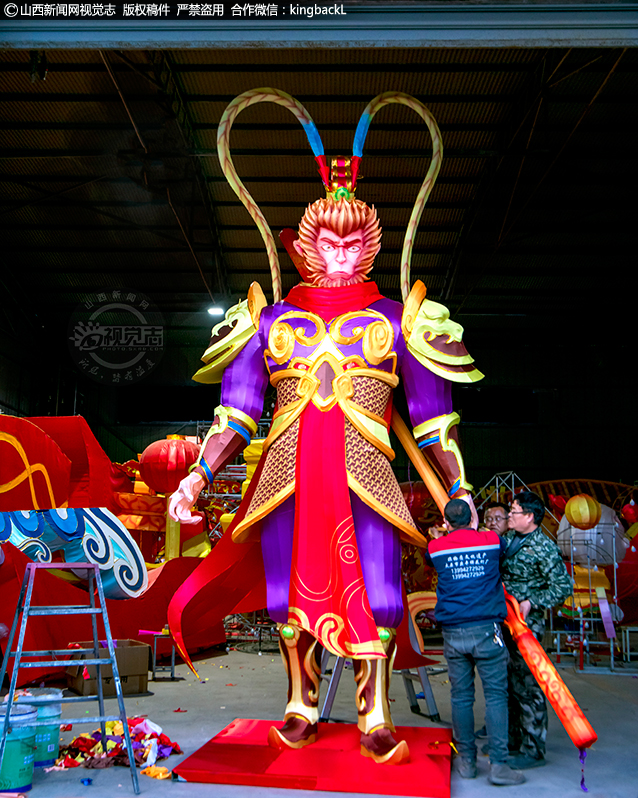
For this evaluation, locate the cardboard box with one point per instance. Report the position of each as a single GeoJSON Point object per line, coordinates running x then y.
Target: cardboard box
{"type": "Point", "coordinates": [132, 664]}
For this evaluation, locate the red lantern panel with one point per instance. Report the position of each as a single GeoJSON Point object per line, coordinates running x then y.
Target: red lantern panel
{"type": "Point", "coordinates": [164, 464]}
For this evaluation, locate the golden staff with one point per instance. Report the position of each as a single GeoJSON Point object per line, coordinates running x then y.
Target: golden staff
{"type": "Point", "coordinates": [542, 668]}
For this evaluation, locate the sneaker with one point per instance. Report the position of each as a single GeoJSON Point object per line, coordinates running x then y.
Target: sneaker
{"type": "Point", "coordinates": [524, 762]}
{"type": "Point", "coordinates": [503, 775]}
{"type": "Point", "coordinates": [466, 768]}
{"type": "Point", "coordinates": [481, 734]}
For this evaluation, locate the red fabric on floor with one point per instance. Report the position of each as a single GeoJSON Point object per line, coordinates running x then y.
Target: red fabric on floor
{"type": "Point", "coordinates": [240, 755]}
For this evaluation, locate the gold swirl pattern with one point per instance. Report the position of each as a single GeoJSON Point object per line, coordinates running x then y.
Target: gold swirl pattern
{"type": "Point", "coordinates": [300, 333]}
{"type": "Point", "coordinates": [298, 617]}
{"type": "Point", "coordinates": [282, 337]}
{"type": "Point", "coordinates": [329, 629]}
{"type": "Point", "coordinates": [29, 471]}
{"type": "Point", "coordinates": [281, 342]}
{"type": "Point", "coordinates": [378, 341]}
{"type": "Point", "coordinates": [357, 332]}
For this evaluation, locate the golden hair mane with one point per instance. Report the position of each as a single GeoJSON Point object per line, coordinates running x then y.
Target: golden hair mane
{"type": "Point", "coordinates": [341, 217]}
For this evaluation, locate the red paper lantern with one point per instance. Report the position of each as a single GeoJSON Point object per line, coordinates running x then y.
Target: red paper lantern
{"type": "Point", "coordinates": [630, 512]}
{"type": "Point", "coordinates": [164, 464]}
{"type": "Point", "coordinates": [558, 504]}
{"type": "Point", "coordinates": [582, 511]}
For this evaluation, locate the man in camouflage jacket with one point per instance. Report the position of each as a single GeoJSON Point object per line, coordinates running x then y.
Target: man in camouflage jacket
{"type": "Point", "coordinates": [534, 573]}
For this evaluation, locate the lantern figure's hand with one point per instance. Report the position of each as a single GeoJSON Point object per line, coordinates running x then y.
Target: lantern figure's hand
{"type": "Point", "coordinates": [184, 498]}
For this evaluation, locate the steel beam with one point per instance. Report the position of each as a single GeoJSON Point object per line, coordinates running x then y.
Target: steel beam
{"type": "Point", "coordinates": [374, 25]}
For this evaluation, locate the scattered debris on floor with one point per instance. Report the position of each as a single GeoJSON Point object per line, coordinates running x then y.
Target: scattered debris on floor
{"type": "Point", "coordinates": [149, 742]}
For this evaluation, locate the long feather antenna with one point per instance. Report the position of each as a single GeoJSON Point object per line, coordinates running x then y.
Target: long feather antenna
{"type": "Point", "coordinates": [361, 132]}
{"type": "Point", "coordinates": [241, 102]}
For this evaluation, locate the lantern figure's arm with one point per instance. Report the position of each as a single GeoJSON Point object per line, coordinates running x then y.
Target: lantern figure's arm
{"type": "Point", "coordinates": [543, 670]}
{"type": "Point", "coordinates": [435, 357]}
{"type": "Point", "coordinates": [244, 381]}
{"type": "Point", "coordinates": [227, 437]}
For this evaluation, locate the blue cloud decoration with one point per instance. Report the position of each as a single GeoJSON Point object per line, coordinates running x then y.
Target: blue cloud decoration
{"type": "Point", "coordinates": [83, 535]}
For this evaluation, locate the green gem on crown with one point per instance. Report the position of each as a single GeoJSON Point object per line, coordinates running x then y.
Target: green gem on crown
{"type": "Point", "coordinates": [343, 193]}
{"type": "Point", "coordinates": [384, 634]}
{"type": "Point", "coordinates": [287, 632]}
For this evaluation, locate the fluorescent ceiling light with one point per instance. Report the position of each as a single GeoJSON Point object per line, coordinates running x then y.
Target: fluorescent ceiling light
{"type": "Point", "coordinates": [215, 311]}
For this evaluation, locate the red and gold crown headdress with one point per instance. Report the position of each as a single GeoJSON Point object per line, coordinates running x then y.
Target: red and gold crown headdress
{"type": "Point", "coordinates": [340, 181]}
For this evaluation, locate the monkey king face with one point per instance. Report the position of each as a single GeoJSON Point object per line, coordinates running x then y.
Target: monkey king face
{"type": "Point", "coordinates": [338, 241]}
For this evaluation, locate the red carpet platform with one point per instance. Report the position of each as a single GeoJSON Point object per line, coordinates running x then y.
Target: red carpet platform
{"type": "Point", "coordinates": [240, 755]}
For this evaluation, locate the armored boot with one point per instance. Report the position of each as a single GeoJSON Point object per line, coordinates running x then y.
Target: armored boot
{"type": "Point", "coordinates": [301, 655]}
{"type": "Point", "coordinates": [372, 677]}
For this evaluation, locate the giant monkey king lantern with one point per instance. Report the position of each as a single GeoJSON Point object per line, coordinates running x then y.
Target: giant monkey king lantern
{"type": "Point", "coordinates": [325, 505]}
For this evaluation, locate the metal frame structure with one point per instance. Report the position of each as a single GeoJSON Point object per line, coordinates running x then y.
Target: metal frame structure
{"type": "Point", "coordinates": [377, 24]}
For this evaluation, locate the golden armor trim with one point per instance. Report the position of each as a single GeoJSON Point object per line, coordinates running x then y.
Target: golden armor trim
{"type": "Point", "coordinates": [282, 336]}
{"type": "Point", "coordinates": [376, 374]}
{"type": "Point", "coordinates": [286, 417]}
{"type": "Point", "coordinates": [327, 630]}
{"type": "Point", "coordinates": [256, 303]}
{"type": "Point", "coordinates": [223, 414]}
{"type": "Point", "coordinates": [443, 425]}
{"type": "Point", "coordinates": [430, 321]}
{"type": "Point", "coordinates": [411, 308]}
{"type": "Point", "coordinates": [371, 426]}
{"type": "Point", "coordinates": [373, 429]}
{"type": "Point", "coordinates": [448, 374]}
{"type": "Point", "coordinates": [281, 342]}
{"type": "Point", "coordinates": [378, 341]}
{"type": "Point", "coordinates": [377, 716]}
{"type": "Point", "coordinates": [326, 402]}
{"type": "Point", "coordinates": [357, 332]}
{"type": "Point", "coordinates": [290, 373]}
{"type": "Point", "coordinates": [295, 668]}
{"type": "Point", "coordinates": [378, 334]}
{"type": "Point", "coordinates": [244, 418]}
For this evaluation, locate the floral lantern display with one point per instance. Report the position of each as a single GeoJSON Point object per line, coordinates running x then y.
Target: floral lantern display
{"type": "Point", "coordinates": [165, 463]}
{"type": "Point", "coordinates": [582, 511]}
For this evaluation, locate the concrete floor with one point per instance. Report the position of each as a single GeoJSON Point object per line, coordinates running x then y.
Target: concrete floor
{"type": "Point", "coordinates": [243, 684]}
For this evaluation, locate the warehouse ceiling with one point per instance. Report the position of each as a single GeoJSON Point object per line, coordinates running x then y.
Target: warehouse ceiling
{"type": "Point", "coordinates": [111, 181]}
